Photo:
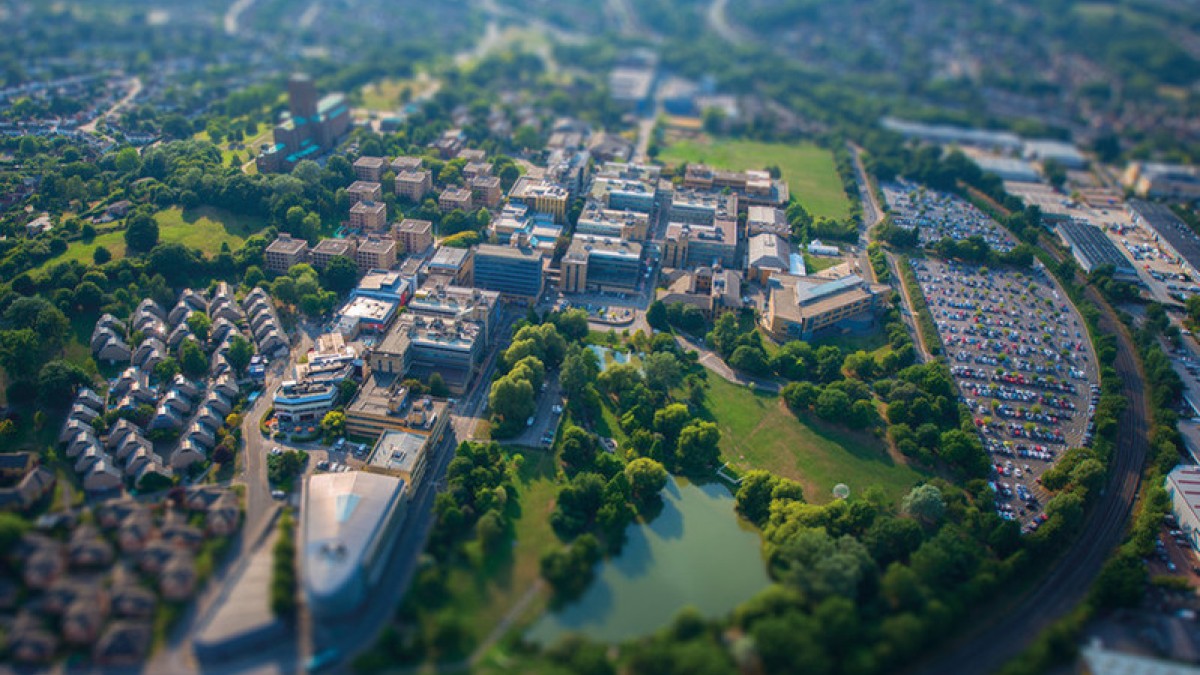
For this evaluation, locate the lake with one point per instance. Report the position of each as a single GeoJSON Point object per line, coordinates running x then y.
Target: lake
{"type": "Point", "coordinates": [697, 552]}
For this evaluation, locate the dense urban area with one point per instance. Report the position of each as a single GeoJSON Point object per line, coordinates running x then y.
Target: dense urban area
{"type": "Point", "coordinates": [657, 337]}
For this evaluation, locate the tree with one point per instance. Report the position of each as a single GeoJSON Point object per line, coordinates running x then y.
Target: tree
{"type": "Point", "coordinates": [490, 530]}
{"type": "Point", "coordinates": [12, 527]}
{"type": "Point", "coordinates": [334, 423]}
{"type": "Point", "coordinates": [141, 231]}
{"type": "Point", "coordinates": [512, 401]}
{"type": "Point", "coordinates": [663, 371]}
{"type": "Point", "coordinates": [925, 503]}
{"type": "Point", "coordinates": [572, 324]}
{"type": "Point", "coordinates": [101, 255]}
{"type": "Point", "coordinates": [57, 381]}
{"type": "Point", "coordinates": [670, 421]}
{"type": "Point", "coordinates": [698, 450]}
{"type": "Point", "coordinates": [284, 290]}
{"type": "Point", "coordinates": [341, 275]}
{"type": "Point", "coordinates": [579, 369]}
{"type": "Point", "coordinates": [578, 448]}
{"type": "Point", "coordinates": [165, 370]}
{"type": "Point", "coordinates": [240, 351]}
{"type": "Point", "coordinates": [89, 296]}
{"type": "Point", "coordinates": [127, 160]}
{"type": "Point", "coordinates": [192, 360]}
{"type": "Point", "coordinates": [437, 386]}
{"type": "Point", "coordinates": [646, 478]}
{"type": "Point", "coordinates": [656, 316]}
{"type": "Point", "coordinates": [200, 325]}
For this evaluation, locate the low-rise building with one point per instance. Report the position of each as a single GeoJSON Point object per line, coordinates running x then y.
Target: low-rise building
{"type": "Point", "coordinates": [303, 402]}
{"type": "Point", "coordinates": [689, 245]}
{"type": "Point", "coordinates": [403, 454]}
{"type": "Point", "coordinates": [542, 196]}
{"type": "Point", "coordinates": [754, 187]}
{"type": "Point", "coordinates": [384, 285]}
{"type": "Point", "coordinates": [513, 272]}
{"type": "Point", "coordinates": [601, 264]}
{"type": "Point", "coordinates": [817, 247]}
{"type": "Point", "coordinates": [383, 403]}
{"type": "Point", "coordinates": [368, 216]}
{"type": "Point", "coordinates": [413, 236]}
{"type": "Point", "coordinates": [328, 249]}
{"type": "Point", "coordinates": [365, 191]}
{"type": "Point", "coordinates": [407, 163]}
{"type": "Point", "coordinates": [457, 264]}
{"type": "Point", "coordinates": [601, 222]}
{"type": "Point", "coordinates": [370, 168]}
{"type": "Point", "coordinates": [376, 253]}
{"type": "Point", "coordinates": [760, 219]}
{"type": "Point", "coordinates": [414, 185]}
{"type": "Point", "coordinates": [769, 254]}
{"type": "Point", "coordinates": [803, 307]}
{"type": "Point", "coordinates": [285, 252]}
{"type": "Point", "coordinates": [714, 291]}
{"type": "Point", "coordinates": [1183, 487]}
{"type": "Point", "coordinates": [1170, 181]}
{"type": "Point", "coordinates": [349, 524]}
{"type": "Point", "coordinates": [458, 303]}
{"type": "Point", "coordinates": [1092, 248]}
{"type": "Point", "coordinates": [455, 198]}
{"type": "Point", "coordinates": [485, 191]}
{"type": "Point", "coordinates": [362, 314]}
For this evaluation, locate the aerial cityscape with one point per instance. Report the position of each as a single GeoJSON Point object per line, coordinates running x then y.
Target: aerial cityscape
{"type": "Point", "coordinates": [615, 338]}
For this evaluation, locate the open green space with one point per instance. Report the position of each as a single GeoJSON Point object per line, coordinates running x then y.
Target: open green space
{"type": "Point", "coordinates": [759, 432]}
{"type": "Point", "coordinates": [393, 93]}
{"type": "Point", "coordinates": [809, 170]}
{"type": "Point", "coordinates": [480, 595]}
{"type": "Point", "coordinates": [205, 228]}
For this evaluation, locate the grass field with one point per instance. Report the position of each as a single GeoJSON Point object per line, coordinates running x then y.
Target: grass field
{"type": "Point", "coordinates": [759, 432]}
{"type": "Point", "coordinates": [481, 596]}
{"type": "Point", "coordinates": [204, 228]}
{"type": "Point", "coordinates": [809, 170]}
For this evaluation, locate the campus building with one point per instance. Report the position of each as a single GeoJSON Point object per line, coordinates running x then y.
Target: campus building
{"type": "Point", "coordinates": [455, 198]}
{"type": "Point", "coordinates": [376, 253]}
{"type": "Point", "coordinates": [459, 303]}
{"type": "Point", "coordinates": [403, 454]}
{"type": "Point", "coordinates": [364, 191]}
{"type": "Point", "coordinates": [802, 307]}
{"type": "Point", "coordinates": [383, 403]}
{"type": "Point", "coordinates": [714, 291]}
{"type": "Point", "coordinates": [413, 236]}
{"type": "Point", "coordinates": [368, 216]}
{"type": "Point", "coordinates": [349, 524]}
{"type": "Point", "coordinates": [456, 264]}
{"type": "Point", "coordinates": [690, 245]}
{"type": "Point", "coordinates": [329, 248]}
{"type": "Point", "coordinates": [414, 185]}
{"type": "Point", "coordinates": [768, 254]}
{"type": "Point", "coordinates": [285, 252]}
{"type": "Point", "coordinates": [370, 169]}
{"type": "Point", "coordinates": [313, 126]}
{"type": "Point", "coordinates": [542, 196]}
{"type": "Point", "coordinates": [601, 222]}
{"type": "Point", "coordinates": [513, 272]}
{"type": "Point", "coordinates": [601, 264]}
{"type": "Point", "coordinates": [303, 402]}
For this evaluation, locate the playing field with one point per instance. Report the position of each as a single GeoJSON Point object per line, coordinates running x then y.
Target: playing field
{"type": "Point", "coordinates": [204, 228]}
{"type": "Point", "coordinates": [809, 170]}
{"type": "Point", "coordinates": [759, 432]}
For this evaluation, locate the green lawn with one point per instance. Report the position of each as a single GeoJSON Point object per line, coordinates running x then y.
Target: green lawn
{"type": "Point", "coordinates": [205, 228]}
{"type": "Point", "coordinates": [814, 264]}
{"type": "Point", "coordinates": [392, 94]}
{"type": "Point", "coordinates": [809, 170]}
{"type": "Point", "coordinates": [758, 432]}
{"type": "Point", "coordinates": [481, 596]}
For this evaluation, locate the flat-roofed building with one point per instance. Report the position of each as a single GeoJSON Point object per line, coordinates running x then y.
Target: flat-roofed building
{"type": "Point", "coordinates": [625, 194]}
{"type": "Point", "coordinates": [455, 263]}
{"type": "Point", "coordinates": [413, 236]}
{"type": "Point", "coordinates": [389, 285]}
{"type": "Point", "coordinates": [349, 525]}
{"type": "Point", "coordinates": [455, 198]}
{"type": "Point", "coordinates": [485, 191]}
{"type": "Point", "coordinates": [285, 252]}
{"type": "Point", "coordinates": [542, 196]}
{"type": "Point", "coordinates": [1172, 181]}
{"type": "Point", "coordinates": [712, 291]}
{"type": "Point", "coordinates": [1092, 248]}
{"type": "Point", "coordinates": [1183, 487]}
{"type": "Point", "coordinates": [768, 254]}
{"type": "Point", "coordinates": [362, 314]}
{"type": "Point", "coordinates": [383, 403]}
{"type": "Point", "coordinates": [376, 253]}
{"type": "Point", "coordinates": [754, 187]}
{"type": "Point", "coordinates": [598, 221]}
{"type": "Point", "coordinates": [702, 208]}
{"type": "Point", "coordinates": [300, 403]}
{"type": "Point", "coordinates": [689, 245]}
{"type": "Point", "coordinates": [368, 216]}
{"type": "Point", "coordinates": [513, 272]}
{"type": "Point", "coordinates": [802, 307]}
{"type": "Point", "coordinates": [330, 248]}
{"type": "Point", "coordinates": [414, 185]}
{"type": "Point", "coordinates": [769, 219]}
{"type": "Point", "coordinates": [370, 168]}
{"type": "Point", "coordinates": [407, 163]}
{"type": "Point", "coordinates": [474, 170]}
{"type": "Point", "coordinates": [460, 303]}
{"type": "Point", "coordinates": [601, 264]}
{"type": "Point", "coordinates": [402, 454]}
{"type": "Point", "coordinates": [1181, 242]}
{"type": "Point", "coordinates": [365, 191]}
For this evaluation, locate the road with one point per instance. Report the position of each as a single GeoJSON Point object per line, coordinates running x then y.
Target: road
{"type": "Point", "coordinates": [234, 14]}
{"type": "Point", "coordinates": [1011, 624]}
{"type": "Point", "coordinates": [718, 21]}
{"type": "Point", "coordinates": [711, 360]}
{"type": "Point", "coordinates": [135, 88]}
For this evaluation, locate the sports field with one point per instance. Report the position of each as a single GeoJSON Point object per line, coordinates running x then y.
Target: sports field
{"type": "Point", "coordinates": [808, 169]}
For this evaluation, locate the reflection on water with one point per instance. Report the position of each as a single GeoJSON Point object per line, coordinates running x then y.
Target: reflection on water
{"type": "Point", "coordinates": [695, 552]}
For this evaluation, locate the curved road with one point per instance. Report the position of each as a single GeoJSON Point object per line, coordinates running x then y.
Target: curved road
{"type": "Point", "coordinates": [1014, 624]}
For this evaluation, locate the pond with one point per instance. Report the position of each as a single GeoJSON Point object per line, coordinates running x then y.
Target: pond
{"type": "Point", "coordinates": [608, 357]}
{"type": "Point", "coordinates": [697, 552]}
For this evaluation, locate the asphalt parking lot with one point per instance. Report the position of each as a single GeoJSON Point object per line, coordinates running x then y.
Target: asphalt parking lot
{"type": "Point", "coordinates": [939, 215]}
{"type": "Point", "coordinates": [1020, 355]}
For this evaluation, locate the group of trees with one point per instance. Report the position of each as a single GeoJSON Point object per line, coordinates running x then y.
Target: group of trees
{"type": "Point", "coordinates": [523, 365]}
{"type": "Point", "coordinates": [301, 286]}
{"type": "Point", "coordinates": [283, 568]}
